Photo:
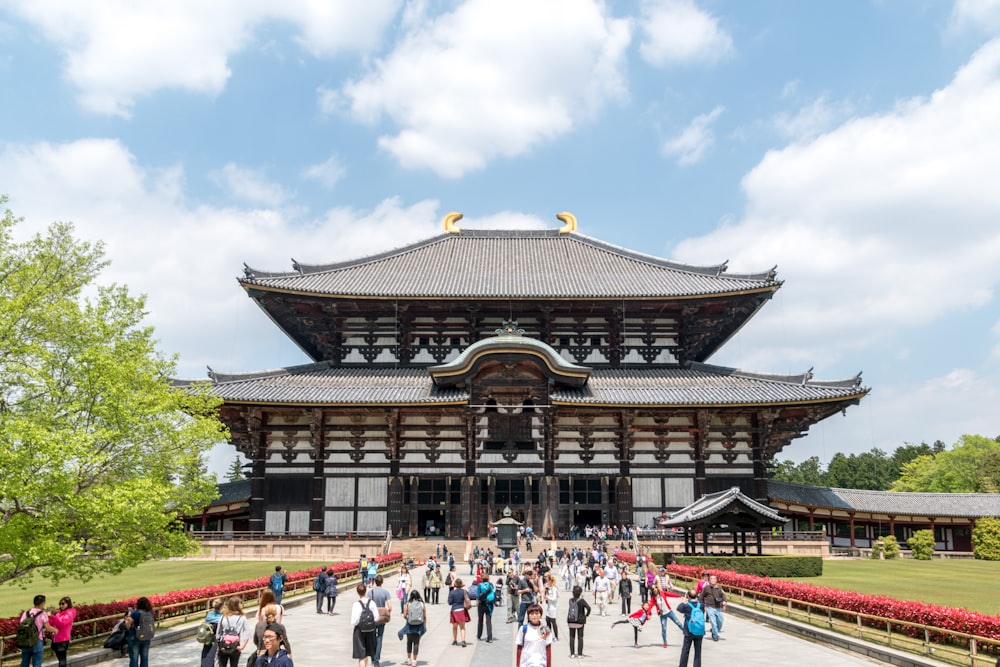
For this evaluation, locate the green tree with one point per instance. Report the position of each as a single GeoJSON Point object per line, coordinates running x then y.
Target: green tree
{"type": "Point", "coordinates": [100, 452]}
{"type": "Point", "coordinates": [808, 472]}
{"type": "Point", "coordinates": [922, 544]}
{"type": "Point", "coordinates": [235, 472]}
{"type": "Point", "coordinates": [970, 466]}
{"type": "Point", "coordinates": [873, 470]}
{"type": "Point", "coordinates": [986, 539]}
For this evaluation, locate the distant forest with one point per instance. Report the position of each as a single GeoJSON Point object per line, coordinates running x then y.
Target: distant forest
{"type": "Point", "coordinates": [971, 465]}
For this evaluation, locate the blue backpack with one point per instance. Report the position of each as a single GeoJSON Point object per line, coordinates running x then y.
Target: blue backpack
{"type": "Point", "coordinates": [277, 582]}
{"type": "Point", "coordinates": [696, 621]}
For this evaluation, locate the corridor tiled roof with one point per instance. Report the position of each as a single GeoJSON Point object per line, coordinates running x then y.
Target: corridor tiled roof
{"type": "Point", "coordinates": [509, 264]}
{"type": "Point", "coordinates": [722, 502]}
{"type": "Point", "coordinates": [887, 502]}
{"type": "Point", "coordinates": [700, 384]}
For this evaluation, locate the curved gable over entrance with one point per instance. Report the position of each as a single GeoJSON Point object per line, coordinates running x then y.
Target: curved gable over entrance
{"type": "Point", "coordinates": [509, 353]}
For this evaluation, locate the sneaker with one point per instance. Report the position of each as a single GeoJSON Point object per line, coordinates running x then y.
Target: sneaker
{"type": "Point", "coordinates": [664, 644]}
{"type": "Point", "coordinates": [455, 643]}
{"type": "Point", "coordinates": [463, 644]}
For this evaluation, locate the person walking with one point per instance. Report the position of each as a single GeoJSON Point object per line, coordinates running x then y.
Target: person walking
{"type": "Point", "coordinates": [277, 583]}
{"type": "Point", "coordinates": [601, 586]}
{"type": "Point", "coordinates": [434, 580]}
{"type": "Point", "coordinates": [331, 591]}
{"type": "Point", "coordinates": [534, 640]}
{"type": "Point", "coordinates": [459, 603]}
{"type": "Point", "coordinates": [552, 605]}
{"type": "Point", "coordinates": [233, 635]}
{"type": "Point", "coordinates": [33, 654]}
{"type": "Point", "coordinates": [527, 590]}
{"type": "Point", "coordinates": [141, 623]}
{"type": "Point", "coordinates": [273, 655]}
{"type": "Point", "coordinates": [213, 617]}
{"type": "Point", "coordinates": [403, 586]}
{"type": "Point", "coordinates": [714, 600]}
{"type": "Point", "coordinates": [62, 621]}
{"type": "Point", "coordinates": [383, 601]}
{"type": "Point", "coordinates": [319, 586]}
{"type": "Point", "coordinates": [576, 617]}
{"type": "Point", "coordinates": [415, 615]}
{"type": "Point", "coordinates": [694, 627]}
{"type": "Point", "coordinates": [625, 592]}
{"type": "Point", "coordinates": [364, 619]}
{"type": "Point", "coordinates": [486, 600]}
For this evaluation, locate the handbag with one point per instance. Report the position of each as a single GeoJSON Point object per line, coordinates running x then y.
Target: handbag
{"type": "Point", "coordinates": [467, 603]}
{"type": "Point", "coordinates": [399, 593]}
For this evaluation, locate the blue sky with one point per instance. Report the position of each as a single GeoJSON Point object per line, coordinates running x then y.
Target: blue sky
{"type": "Point", "coordinates": [854, 145]}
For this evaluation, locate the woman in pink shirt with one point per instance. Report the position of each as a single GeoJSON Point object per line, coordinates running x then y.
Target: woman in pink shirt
{"type": "Point", "coordinates": [62, 621]}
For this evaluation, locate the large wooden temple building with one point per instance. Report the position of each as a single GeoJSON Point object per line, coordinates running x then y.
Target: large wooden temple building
{"type": "Point", "coordinates": [543, 370]}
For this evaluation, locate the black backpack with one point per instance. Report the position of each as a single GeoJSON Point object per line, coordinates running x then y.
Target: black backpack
{"type": "Point", "coordinates": [27, 632]}
{"type": "Point", "coordinates": [573, 615]}
{"type": "Point", "coordinates": [366, 623]}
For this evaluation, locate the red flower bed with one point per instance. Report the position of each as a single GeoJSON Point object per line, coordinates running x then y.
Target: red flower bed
{"type": "Point", "coordinates": [937, 616]}
{"type": "Point", "coordinates": [196, 596]}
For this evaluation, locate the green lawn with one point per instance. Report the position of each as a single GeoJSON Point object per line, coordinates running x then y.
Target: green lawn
{"type": "Point", "coordinates": [147, 579]}
{"type": "Point", "coordinates": [956, 583]}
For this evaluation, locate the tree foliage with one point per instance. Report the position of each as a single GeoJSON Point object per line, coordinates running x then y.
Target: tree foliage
{"type": "Point", "coordinates": [972, 465]}
{"type": "Point", "coordinates": [100, 453]}
{"type": "Point", "coordinates": [986, 539]}
{"type": "Point", "coordinates": [235, 472]}
{"type": "Point", "coordinates": [921, 543]}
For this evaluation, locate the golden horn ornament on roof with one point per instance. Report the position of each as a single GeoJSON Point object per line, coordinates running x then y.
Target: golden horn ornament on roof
{"type": "Point", "coordinates": [450, 220]}
{"type": "Point", "coordinates": [569, 221]}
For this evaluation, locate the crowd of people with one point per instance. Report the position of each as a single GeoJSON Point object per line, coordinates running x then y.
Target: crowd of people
{"type": "Point", "coordinates": [593, 580]}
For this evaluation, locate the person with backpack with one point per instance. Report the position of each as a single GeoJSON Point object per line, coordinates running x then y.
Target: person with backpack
{"type": "Point", "coordinates": [486, 601]}
{"type": "Point", "coordinates": [576, 618]}
{"type": "Point", "coordinates": [206, 633]}
{"type": "Point", "coordinates": [141, 624]}
{"type": "Point", "coordinates": [319, 585]}
{"type": "Point", "coordinates": [30, 633]}
{"type": "Point", "coordinates": [232, 635]}
{"type": "Point", "coordinates": [534, 640]}
{"type": "Point", "coordinates": [277, 583]}
{"type": "Point", "coordinates": [364, 619]}
{"type": "Point", "coordinates": [62, 621]}
{"type": "Point", "coordinates": [415, 615]}
{"type": "Point", "coordinates": [694, 627]}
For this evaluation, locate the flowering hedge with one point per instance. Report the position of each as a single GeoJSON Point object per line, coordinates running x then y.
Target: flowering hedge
{"type": "Point", "coordinates": [164, 603]}
{"type": "Point", "coordinates": [946, 618]}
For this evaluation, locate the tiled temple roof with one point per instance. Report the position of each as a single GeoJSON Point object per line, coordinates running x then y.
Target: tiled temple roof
{"type": "Point", "coordinates": [510, 264]}
{"type": "Point", "coordinates": [699, 384]}
{"type": "Point", "coordinates": [887, 502]}
{"type": "Point", "coordinates": [715, 504]}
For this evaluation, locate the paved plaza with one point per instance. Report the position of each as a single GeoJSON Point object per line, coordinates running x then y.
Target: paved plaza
{"type": "Point", "coordinates": [319, 640]}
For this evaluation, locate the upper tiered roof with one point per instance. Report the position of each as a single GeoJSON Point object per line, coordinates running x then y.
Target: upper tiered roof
{"type": "Point", "coordinates": [510, 264]}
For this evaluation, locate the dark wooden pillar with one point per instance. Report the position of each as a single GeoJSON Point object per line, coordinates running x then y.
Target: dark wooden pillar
{"type": "Point", "coordinates": [701, 425]}
{"type": "Point", "coordinates": [471, 519]}
{"type": "Point", "coordinates": [623, 500]}
{"type": "Point", "coordinates": [851, 528]}
{"type": "Point", "coordinates": [317, 436]}
{"type": "Point", "coordinates": [256, 423]}
{"type": "Point", "coordinates": [757, 457]}
{"type": "Point", "coordinates": [414, 522]}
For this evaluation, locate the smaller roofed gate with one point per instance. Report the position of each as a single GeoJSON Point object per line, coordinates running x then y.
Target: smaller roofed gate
{"type": "Point", "coordinates": [723, 512]}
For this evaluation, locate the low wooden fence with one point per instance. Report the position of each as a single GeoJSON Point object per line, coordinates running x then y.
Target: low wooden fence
{"type": "Point", "coordinates": [172, 615]}
{"type": "Point", "coordinates": [955, 648]}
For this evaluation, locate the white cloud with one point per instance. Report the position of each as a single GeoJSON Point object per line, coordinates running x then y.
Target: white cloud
{"type": "Point", "coordinates": [186, 257]}
{"type": "Point", "coordinates": [117, 50]}
{"type": "Point", "coordinates": [327, 173]}
{"type": "Point", "coordinates": [690, 146]}
{"type": "Point", "coordinates": [249, 185]}
{"type": "Point", "coordinates": [982, 16]}
{"type": "Point", "coordinates": [491, 79]}
{"type": "Point", "coordinates": [678, 32]}
{"type": "Point", "coordinates": [886, 223]}
{"type": "Point", "coordinates": [812, 119]}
